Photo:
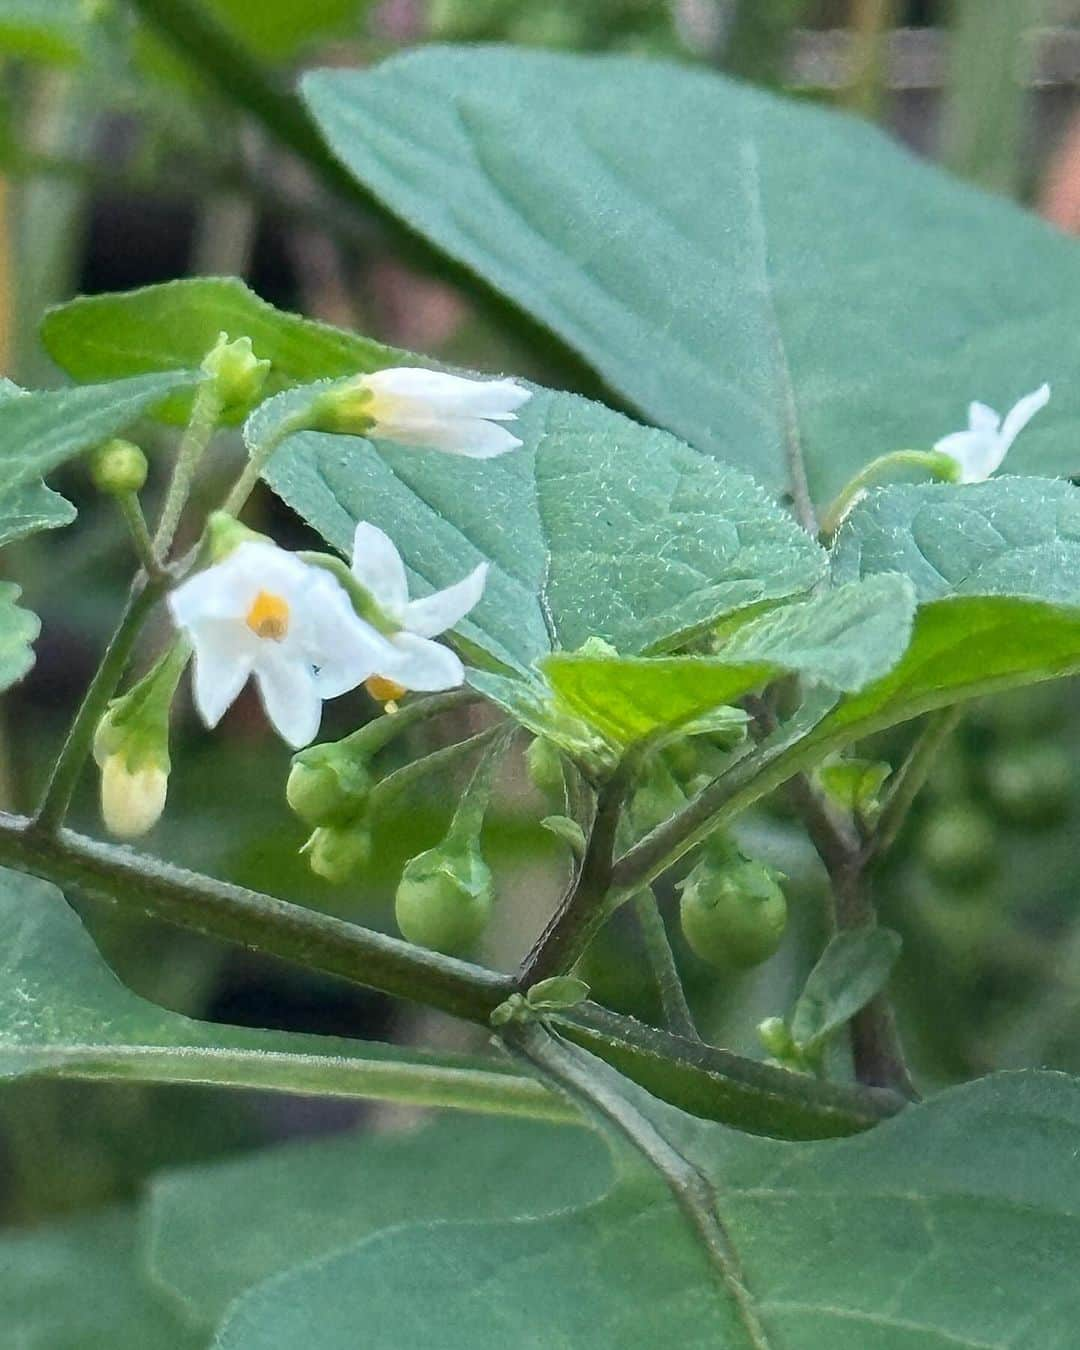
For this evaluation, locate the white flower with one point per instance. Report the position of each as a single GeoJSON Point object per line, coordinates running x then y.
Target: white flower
{"type": "Point", "coordinates": [418, 663]}
{"type": "Point", "coordinates": [131, 801]}
{"type": "Point", "coordinates": [264, 612]}
{"type": "Point", "coordinates": [436, 411]}
{"type": "Point", "coordinates": [981, 449]}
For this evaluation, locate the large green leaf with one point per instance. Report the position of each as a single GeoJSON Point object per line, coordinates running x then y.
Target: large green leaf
{"type": "Point", "coordinates": [40, 430]}
{"type": "Point", "coordinates": [214, 1231]}
{"type": "Point", "coordinates": [954, 1224]}
{"type": "Point", "coordinates": [842, 638]}
{"type": "Point", "coordinates": [996, 568]}
{"type": "Point", "coordinates": [75, 1286]}
{"type": "Point", "coordinates": [173, 325]}
{"type": "Point", "coordinates": [754, 274]}
{"type": "Point", "coordinates": [596, 527]}
{"type": "Point", "coordinates": [63, 1012]}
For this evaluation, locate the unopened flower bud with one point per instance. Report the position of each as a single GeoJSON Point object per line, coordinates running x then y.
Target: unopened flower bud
{"type": "Point", "coordinates": [445, 896]}
{"type": "Point", "coordinates": [236, 371]}
{"type": "Point", "coordinates": [131, 800]}
{"type": "Point", "coordinates": [545, 767]}
{"type": "Point", "coordinates": [118, 468]}
{"type": "Point", "coordinates": [336, 853]}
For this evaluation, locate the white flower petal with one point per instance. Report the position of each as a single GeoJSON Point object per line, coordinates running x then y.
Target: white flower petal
{"type": "Point", "coordinates": [289, 695]}
{"type": "Point", "coordinates": [435, 613]}
{"type": "Point", "coordinates": [224, 657]}
{"type": "Point", "coordinates": [424, 665]}
{"type": "Point", "coordinates": [983, 419]}
{"type": "Point", "coordinates": [344, 648]}
{"type": "Point", "coordinates": [427, 392]}
{"type": "Point", "coordinates": [977, 455]}
{"type": "Point", "coordinates": [377, 566]}
{"type": "Point", "coordinates": [468, 436]}
{"type": "Point", "coordinates": [1020, 414]}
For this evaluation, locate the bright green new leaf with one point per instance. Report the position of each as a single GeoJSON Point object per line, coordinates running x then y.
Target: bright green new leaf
{"type": "Point", "coordinates": [76, 1284]}
{"type": "Point", "coordinates": [597, 527]}
{"type": "Point", "coordinates": [852, 969]}
{"type": "Point", "coordinates": [40, 431]}
{"type": "Point", "coordinates": [758, 275]}
{"type": "Point", "coordinates": [216, 1230]}
{"type": "Point", "coordinates": [854, 783]}
{"type": "Point", "coordinates": [954, 1224]}
{"type": "Point", "coordinates": [173, 325]}
{"type": "Point", "coordinates": [842, 639]}
{"type": "Point", "coordinates": [63, 1012]}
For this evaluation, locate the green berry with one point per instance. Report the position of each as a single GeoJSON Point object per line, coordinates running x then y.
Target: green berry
{"type": "Point", "coordinates": [733, 912]}
{"type": "Point", "coordinates": [958, 845]}
{"type": "Point", "coordinates": [444, 897]}
{"type": "Point", "coordinates": [336, 854]}
{"type": "Point", "coordinates": [1029, 784]}
{"type": "Point", "coordinates": [327, 786]}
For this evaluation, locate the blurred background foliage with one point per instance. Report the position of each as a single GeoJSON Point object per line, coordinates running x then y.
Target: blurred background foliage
{"type": "Point", "coordinates": [125, 161]}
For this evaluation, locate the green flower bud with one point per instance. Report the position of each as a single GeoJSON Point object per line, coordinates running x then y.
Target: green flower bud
{"type": "Point", "coordinates": [327, 785]}
{"type": "Point", "coordinates": [336, 853]}
{"type": "Point", "coordinates": [118, 468]}
{"type": "Point", "coordinates": [733, 911]}
{"type": "Point", "coordinates": [445, 896]}
{"type": "Point", "coordinates": [958, 845]}
{"type": "Point", "coordinates": [545, 767]}
{"type": "Point", "coordinates": [236, 371]}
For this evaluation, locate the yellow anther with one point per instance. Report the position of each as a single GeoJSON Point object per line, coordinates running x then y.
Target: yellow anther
{"type": "Point", "coordinates": [386, 691]}
{"type": "Point", "coordinates": [268, 616]}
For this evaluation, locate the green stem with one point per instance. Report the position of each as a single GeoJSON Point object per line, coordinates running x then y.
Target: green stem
{"type": "Point", "coordinates": [586, 903]}
{"type": "Point", "coordinates": [260, 456]}
{"type": "Point", "coordinates": [933, 462]}
{"type": "Point", "coordinates": [80, 738]}
{"type": "Point", "coordinates": [205, 414]}
{"type": "Point", "coordinates": [677, 1015]}
{"type": "Point", "coordinates": [910, 777]}
{"type": "Point", "coordinates": [487, 1091]}
{"type": "Point", "coordinates": [691, 1190]}
{"type": "Point", "coordinates": [698, 1078]}
{"type": "Point", "coordinates": [468, 819]}
{"type": "Point", "coordinates": [870, 24]}
{"type": "Point", "coordinates": [131, 510]}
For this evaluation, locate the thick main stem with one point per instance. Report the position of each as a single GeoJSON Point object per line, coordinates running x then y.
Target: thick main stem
{"type": "Point", "coordinates": [80, 738]}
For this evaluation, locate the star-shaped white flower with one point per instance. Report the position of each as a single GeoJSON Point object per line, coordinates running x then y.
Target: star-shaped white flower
{"type": "Point", "coordinates": [417, 663]}
{"type": "Point", "coordinates": [980, 450]}
{"type": "Point", "coordinates": [429, 409]}
{"type": "Point", "coordinates": [264, 612]}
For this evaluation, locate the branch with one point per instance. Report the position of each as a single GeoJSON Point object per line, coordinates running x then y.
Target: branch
{"type": "Point", "coordinates": [677, 1015]}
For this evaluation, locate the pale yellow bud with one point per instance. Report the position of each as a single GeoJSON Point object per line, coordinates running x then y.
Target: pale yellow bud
{"type": "Point", "coordinates": [131, 802]}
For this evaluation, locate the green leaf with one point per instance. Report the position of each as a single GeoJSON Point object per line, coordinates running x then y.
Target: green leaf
{"type": "Point", "coordinates": [597, 527]}
{"type": "Point", "coordinates": [172, 326]}
{"type": "Point", "coordinates": [996, 568]}
{"type": "Point", "coordinates": [954, 1224]}
{"type": "Point", "coordinates": [76, 1284]}
{"type": "Point", "coordinates": [278, 29]}
{"type": "Point", "coordinates": [853, 968]}
{"type": "Point", "coordinates": [40, 431]}
{"type": "Point", "coordinates": [569, 831]}
{"type": "Point", "coordinates": [63, 1012]}
{"type": "Point", "coordinates": [754, 274]}
{"type": "Point", "coordinates": [854, 783]}
{"type": "Point", "coordinates": [18, 629]}
{"type": "Point", "coordinates": [842, 638]}
{"type": "Point", "coordinates": [214, 1231]}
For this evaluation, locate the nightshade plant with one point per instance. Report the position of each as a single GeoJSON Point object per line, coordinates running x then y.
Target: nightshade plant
{"type": "Point", "coordinates": [675, 615]}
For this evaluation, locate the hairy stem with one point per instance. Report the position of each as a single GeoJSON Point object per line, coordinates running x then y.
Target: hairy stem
{"type": "Point", "coordinates": [568, 1070]}
{"type": "Point", "coordinates": [145, 594]}
{"type": "Point", "coordinates": [205, 414]}
{"type": "Point", "coordinates": [585, 905]}
{"type": "Point", "coordinates": [677, 1015]}
{"type": "Point", "coordinates": [260, 456]}
{"type": "Point", "coordinates": [131, 510]}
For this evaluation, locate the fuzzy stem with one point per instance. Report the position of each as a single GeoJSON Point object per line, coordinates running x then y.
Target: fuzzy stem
{"type": "Point", "coordinates": [205, 414]}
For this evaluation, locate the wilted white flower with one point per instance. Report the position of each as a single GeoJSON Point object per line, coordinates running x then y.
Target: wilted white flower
{"type": "Point", "coordinates": [264, 612]}
{"type": "Point", "coordinates": [417, 662]}
{"type": "Point", "coordinates": [980, 450]}
{"type": "Point", "coordinates": [425, 408]}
